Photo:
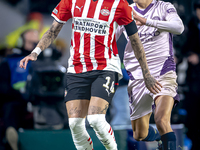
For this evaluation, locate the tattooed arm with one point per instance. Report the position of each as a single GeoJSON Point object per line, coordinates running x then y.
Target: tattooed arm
{"type": "Point", "coordinates": [50, 35]}
{"type": "Point", "coordinates": [151, 83]}
{"type": "Point", "coordinates": [45, 41]}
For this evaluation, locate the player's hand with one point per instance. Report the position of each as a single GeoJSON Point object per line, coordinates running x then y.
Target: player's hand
{"type": "Point", "coordinates": [139, 20]}
{"type": "Point", "coordinates": [25, 60]}
{"type": "Point", "coordinates": [152, 84]}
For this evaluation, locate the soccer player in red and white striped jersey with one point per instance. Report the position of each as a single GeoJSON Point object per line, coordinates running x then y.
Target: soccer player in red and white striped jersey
{"type": "Point", "coordinates": [94, 64]}
{"type": "Point", "coordinates": [93, 44]}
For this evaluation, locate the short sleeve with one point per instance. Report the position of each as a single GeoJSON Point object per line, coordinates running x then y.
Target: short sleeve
{"type": "Point", "coordinates": [170, 11]}
{"type": "Point", "coordinates": [125, 14]}
{"type": "Point", "coordinates": [62, 12]}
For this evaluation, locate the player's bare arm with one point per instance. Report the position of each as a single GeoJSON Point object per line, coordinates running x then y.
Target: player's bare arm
{"type": "Point", "coordinates": [50, 35]}
{"type": "Point", "coordinates": [45, 41]}
{"type": "Point", "coordinates": [151, 83]}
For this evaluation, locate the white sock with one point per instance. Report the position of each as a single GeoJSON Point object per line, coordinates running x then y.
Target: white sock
{"type": "Point", "coordinates": [80, 135]}
{"type": "Point", "coordinates": [103, 130]}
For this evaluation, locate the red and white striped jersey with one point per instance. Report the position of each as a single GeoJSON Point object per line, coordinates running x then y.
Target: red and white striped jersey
{"type": "Point", "coordinates": [93, 44]}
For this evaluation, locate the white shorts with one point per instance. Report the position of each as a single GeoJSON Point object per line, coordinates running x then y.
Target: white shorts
{"type": "Point", "coordinates": [140, 98]}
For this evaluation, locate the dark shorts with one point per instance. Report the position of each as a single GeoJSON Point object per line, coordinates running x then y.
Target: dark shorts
{"type": "Point", "coordinates": [96, 83]}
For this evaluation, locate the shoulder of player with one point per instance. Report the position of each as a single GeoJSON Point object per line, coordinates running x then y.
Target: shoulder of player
{"type": "Point", "coordinates": [122, 5]}
{"type": "Point", "coordinates": [67, 2]}
{"type": "Point", "coordinates": [122, 2]}
{"type": "Point", "coordinates": [162, 3]}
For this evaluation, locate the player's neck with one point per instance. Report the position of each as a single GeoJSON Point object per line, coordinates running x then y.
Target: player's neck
{"type": "Point", "coordinates": [143, 4]}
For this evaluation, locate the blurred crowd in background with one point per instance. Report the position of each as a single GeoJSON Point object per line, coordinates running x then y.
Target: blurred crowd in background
{"type": "Point", "coordinates": [33, 98]}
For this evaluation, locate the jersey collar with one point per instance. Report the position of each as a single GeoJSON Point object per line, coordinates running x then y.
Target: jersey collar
{"type": "Point", "coordinates": [143, 12]}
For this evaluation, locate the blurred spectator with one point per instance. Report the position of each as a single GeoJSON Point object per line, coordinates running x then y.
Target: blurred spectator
{"type": "Point", "coordinates": [191, 51]}
{"type": "Point", "coordinates": [12, 88]}
{"type": "Point", "coordinates": [33, 21]}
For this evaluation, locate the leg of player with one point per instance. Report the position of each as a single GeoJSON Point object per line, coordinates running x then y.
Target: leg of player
{"type": "Point", "coordinates": [162, 115]}
{"type": "Point", "coordinates": [77, 111]}
{"type": "Point", "coordinates": [96, 118]}
{"type": "Point", "coordinates": [142, 131]}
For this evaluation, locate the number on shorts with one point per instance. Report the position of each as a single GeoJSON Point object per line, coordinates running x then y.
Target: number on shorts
{"type": "Point", "coordinates": [112, 89]}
